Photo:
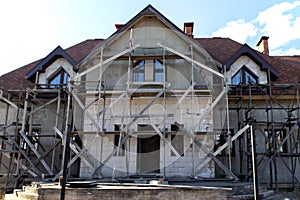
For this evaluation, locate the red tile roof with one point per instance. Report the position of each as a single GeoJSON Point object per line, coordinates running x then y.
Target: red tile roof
{"type": "Point", "coordinates": [15, 80]}
{"type": "Point", "coordinates": [223, 48]}
{"type": "Point", "coordinates": [220, 49]}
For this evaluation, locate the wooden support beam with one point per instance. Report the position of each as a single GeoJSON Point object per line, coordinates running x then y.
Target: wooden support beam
{"type": "Point", "coordinates": [112, 103]}
{"type": "Point", "coordinates": [7, 101]}
{"type": "Point", "coordinates": [124, 139]}
{"type": "Point", "coordinates": [36, 152]}
{"type": "Point", "coordinates": [20, 150]}
{"type": "Point", "coordinates": [206, 159]}
{"type": "Point", "coordinates": [43, 106]}
{"type": "Point", "coordinates": [88, 114]}
{"type": "Point", "coordinates": [76, 149]}
{"type": "Point", "coordinates": [191, 60]}
{"type": "Point", "coordinates": [166, 141]}
{"type": "Point", "coordinates": [106, 61]}
{"type": "Point", "coordinates": [32, 173]}
{"type": "Point", "coordinates": [209, 109]}
{"type": "Point", "coordinates": [207, 152]}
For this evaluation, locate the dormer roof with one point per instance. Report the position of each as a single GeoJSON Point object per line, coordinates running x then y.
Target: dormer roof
{"type": "Point", "coordinates": [58, 52]}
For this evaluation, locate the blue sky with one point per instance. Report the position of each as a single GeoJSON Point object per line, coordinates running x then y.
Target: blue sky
{"type": "Point", "coordinates": [33, 28]}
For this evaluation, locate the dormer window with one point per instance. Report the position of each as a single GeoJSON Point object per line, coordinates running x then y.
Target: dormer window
{"type": "Point", "coordinates": [244, 76]}
{"type": "Point", "coordinates": [148, 71]}
{"type": "Point", "coordinates": [59, 80]}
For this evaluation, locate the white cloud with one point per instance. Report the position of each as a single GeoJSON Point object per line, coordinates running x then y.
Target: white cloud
{"type": "Point", "coordinates": [277, 22]}
{"type": "Point", "coordinates": [280, 26]}
{"type": "Point", "coordinates": [288, 52]}
{"type": "Point", "coordinates": [238, 30]}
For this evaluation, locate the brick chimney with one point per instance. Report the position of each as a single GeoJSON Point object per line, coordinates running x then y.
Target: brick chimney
{"type": "Point", "coordinates": [263, 45]}
{"type": "Point", "coordinates": [188, 28]}
{"type": "Point", "coordinates": [118, 26]}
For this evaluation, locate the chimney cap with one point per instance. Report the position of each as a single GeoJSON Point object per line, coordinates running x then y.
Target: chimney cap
{"type": "Point", "coordinates": [261, 39]}
{"type": "Point", "coordinates": [188, 28]}
{"type": "Point", "coordinates": [118, 26]}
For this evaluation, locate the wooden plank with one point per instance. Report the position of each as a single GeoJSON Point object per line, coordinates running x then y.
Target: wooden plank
{"type": "Point", "coordinates": [32, 173]}
{"type": "Point", "coordinates": [88, 114]}
{"type": "Point", "coordinates": [43, 106]}
{"type": "Point", "coordinates": [106, 61]}
{"type": "Point", "coordinates": [191, 60]}
{"type": "Point", "coordinates": [221, 148]}
{"type": "Point", "coordinates": [128, 134]}
{"type": "Point", "coordinates": [7, 101]}
{"type": "Point", "coordinates": [36, 152]}
{"type": "Point", "coordinates": [166, 141]}
{"type": "Point", "coordinates": [20, 150]}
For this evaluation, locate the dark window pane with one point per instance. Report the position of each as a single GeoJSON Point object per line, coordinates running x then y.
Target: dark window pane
{"type": "Point", "coordinates": [177, 141]}
{"type": "Point", "coordinates": [116, 144]}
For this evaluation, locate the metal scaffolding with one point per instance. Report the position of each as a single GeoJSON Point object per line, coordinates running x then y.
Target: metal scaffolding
{"type": "Point", "coordinates": [88, 112]}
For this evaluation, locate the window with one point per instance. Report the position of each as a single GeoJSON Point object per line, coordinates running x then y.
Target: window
{"type": "Point", "coordinates": [34, 140]}
{"type": "Point", "coordinates": [153, 68]}
{"type": "Point", "coordinates": [116, 144]}
{"type": "Point", "coordinates": [279, 137]}
{"type": "Point", "coordinates": [177, 141]}
{"type": "Point", "coordinates": [222, 139]}
{"type": "Point", "coordinates": [244, 76]}
{"type": "Point", "coordinates": [139, 72]}
{"type": "Point", "coordinates": [158, 71]}
{"type": "Point", "coordinates": [59, 80]}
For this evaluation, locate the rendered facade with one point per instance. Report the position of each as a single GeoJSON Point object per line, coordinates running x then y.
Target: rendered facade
{"type": "Point", "coordinates": [152, 100]}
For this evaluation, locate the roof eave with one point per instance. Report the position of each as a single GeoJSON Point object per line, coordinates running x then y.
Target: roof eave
{"type": "Point", "coordinates": [58, 52]}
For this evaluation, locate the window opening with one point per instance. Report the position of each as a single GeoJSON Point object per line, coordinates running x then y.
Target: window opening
{"type": "Point", "coordinates": [177, 141]}
{"type": "Point", "coordinates": [279, 136]}
{"type": "Point", "coordinates": [59, 80]}
{"type": "Point", "coordinates": [116, 144]}
{"type": "Point", "coordinates": [244, 76]}
{"type": "Point", "coordinates": [222, 139]}
{"type": "Point", "coordinates": [158, 71]}
{"type": "Point", "coordinates": [139, 72]}
{"type": "Point", "coordinates": [33, 138]}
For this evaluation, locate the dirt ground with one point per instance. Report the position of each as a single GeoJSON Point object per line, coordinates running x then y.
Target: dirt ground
{"type": "Point", "coordinates": [289, 195]}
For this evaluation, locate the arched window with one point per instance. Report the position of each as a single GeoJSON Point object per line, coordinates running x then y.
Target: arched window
{"type": "Point", "coordinates": [58, 80]}
{"type": "Point", "coordinates": [244, 76]}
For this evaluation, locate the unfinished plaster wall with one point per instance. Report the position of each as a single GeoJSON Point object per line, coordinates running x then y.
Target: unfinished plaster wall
{"type": "Point", "coordinates": [113, 116]}
{"type": "Point", "coordinates": [280, 117]}
{"type": "Point", "coordinates": [52, 69]}
{"type": "Point", "coordinates": [251, 65]}
{"type": "Point", "coordinates": [148, 36]}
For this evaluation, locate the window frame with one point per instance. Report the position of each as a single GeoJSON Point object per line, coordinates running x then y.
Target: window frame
{"type": "Point", "coordinates": [177, 141]}
{"type": "Point", "coordinates": [158, 70]}
{"type": "Point", "coordinates": [222, 139]}
{"type": "Point", "coordinates": [243, 77]}
{"type": "Point", "coordinates": [280, 134]}
{"type": "Point", "coordinates": [136, 71]}
{"type": "Point", "coordinates": [63, 80]}
{"type": "Point", "coordinates": [116, 144]}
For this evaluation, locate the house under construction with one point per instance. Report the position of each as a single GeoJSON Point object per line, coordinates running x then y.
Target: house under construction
{"type": "Point", "coordinates": [153, 101]}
